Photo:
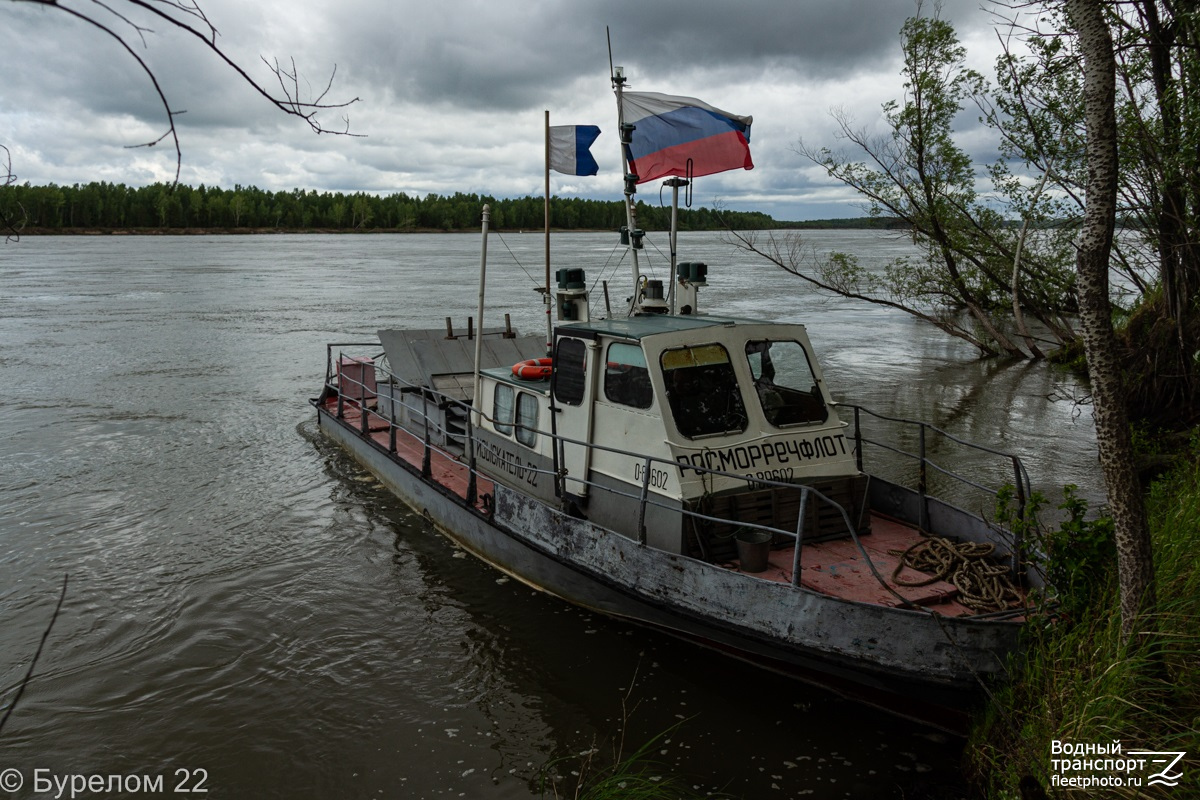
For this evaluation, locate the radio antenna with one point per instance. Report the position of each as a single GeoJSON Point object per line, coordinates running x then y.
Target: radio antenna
{"type": "Point", "coordinates": [608, 35]}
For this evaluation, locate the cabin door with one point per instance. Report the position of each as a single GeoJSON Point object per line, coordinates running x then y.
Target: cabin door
{"type": "Point", "coordinates": [574, 391]}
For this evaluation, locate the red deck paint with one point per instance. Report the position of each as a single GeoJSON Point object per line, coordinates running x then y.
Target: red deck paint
{"type": "Point", "coordinates": [834, 568]}
{"type": "Point", "coordinates": [447, 471]}
{"type": "Point", "coordinates": [837, 568]}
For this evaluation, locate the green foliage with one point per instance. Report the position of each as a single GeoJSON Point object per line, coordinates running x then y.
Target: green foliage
{"type": "Point", "coordinates": [1081, 555]}
{"type": "Point", "coordinates": [1071, 357]}
{"type": "Point", "coordinates": [164, 207]}
{"type": "Point", "coordinates": [1086, 682]}
{"type": "Point", "coordinates": [1148, 441]}
{"type": "Point", "coordinates": [919, 176]}
{"type": "Point", "coordinates": [844, 272]}
{"type": "Point", "coordinates": [1077, 556]}
{"type": "Point", "coordinates": [1038, 108]}
{"type": "Point", "coordinates": [633, 777]}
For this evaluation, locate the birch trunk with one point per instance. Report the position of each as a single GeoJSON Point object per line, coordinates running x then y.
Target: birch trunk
{"type": "Point", "coordinates": [1135, 566]}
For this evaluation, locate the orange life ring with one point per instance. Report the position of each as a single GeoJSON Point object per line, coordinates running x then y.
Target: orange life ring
{"type": "Point", "coordinates": [535, 369]}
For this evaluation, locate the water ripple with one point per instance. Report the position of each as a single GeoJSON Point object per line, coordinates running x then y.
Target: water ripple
{"type": "Point", "coordinates": [243, 599]}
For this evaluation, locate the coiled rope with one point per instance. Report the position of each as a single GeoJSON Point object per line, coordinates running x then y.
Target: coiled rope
{"type": "Point", "coordinates": [982, 584]}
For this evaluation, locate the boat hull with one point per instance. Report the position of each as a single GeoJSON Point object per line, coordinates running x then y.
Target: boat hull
{"type": "Point", "coordinates": [779, 626]}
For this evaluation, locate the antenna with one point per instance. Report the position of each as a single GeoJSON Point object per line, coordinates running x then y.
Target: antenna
{"type": "Point", "coordinates": [608, 35]}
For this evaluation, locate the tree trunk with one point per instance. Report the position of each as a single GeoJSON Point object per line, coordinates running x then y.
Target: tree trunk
{"type": "Point", "coordinates": [1135, 566]}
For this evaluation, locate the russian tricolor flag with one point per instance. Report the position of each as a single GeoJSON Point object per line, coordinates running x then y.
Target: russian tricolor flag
{"type": "Point", "coordinates": [669, 131]}
{"type": "Point", "coordinates": [569, 153]}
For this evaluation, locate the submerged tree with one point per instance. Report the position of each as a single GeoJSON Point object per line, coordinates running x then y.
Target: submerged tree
{"type": "Point", "coordinates": [973, 260]}
{"type": "Point", "coordinates": [1155, 262]}
{"type": "Point", "coordinates": [976, 278]}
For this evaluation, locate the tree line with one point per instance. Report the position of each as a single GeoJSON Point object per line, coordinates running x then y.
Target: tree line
{"type": "Point", "coordinates": [164, 206]}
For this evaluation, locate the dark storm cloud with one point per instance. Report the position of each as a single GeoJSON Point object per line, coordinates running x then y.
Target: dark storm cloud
{"type": "Point", "coordinates": [48, 55]}
{"type": "Point", "coordinates": [452, 92]}
{"type": "Point", "coordinates": [505, 56]}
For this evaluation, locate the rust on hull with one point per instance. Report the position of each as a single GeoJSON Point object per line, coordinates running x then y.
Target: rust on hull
{"type": "Point", "coordinates": [837, 621]}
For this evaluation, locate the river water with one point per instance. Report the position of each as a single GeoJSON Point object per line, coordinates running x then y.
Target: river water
{"type": "Point", "coordinates": [249, 613]}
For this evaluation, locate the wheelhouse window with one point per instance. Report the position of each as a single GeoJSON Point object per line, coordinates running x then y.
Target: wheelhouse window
{"type": "Point", "coordinates": [569, 360]}
{"type": "Point", "coordinates": [784, 383]}
{"type": "Point", "coordinates": [527, 419]}
{"type": "Point", "coordinates": [626, 378]}
{"type": "Point", "coordinates": [502, 409]}
{"type": "Point", "coordinates": [702, 391]}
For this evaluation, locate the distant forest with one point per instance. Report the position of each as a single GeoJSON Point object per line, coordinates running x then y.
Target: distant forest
{"type": "Point", "coordinates": [162, 207]}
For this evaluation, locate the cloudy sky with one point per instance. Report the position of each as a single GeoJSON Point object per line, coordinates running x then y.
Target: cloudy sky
{"type": "Point", "coordinates": [452, 92]}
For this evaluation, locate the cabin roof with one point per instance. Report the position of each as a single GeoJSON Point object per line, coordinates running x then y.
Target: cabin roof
{"type": "Point", "coordinates": [647, 325]}
{"type": "Point", "coordinates": [418, 356]}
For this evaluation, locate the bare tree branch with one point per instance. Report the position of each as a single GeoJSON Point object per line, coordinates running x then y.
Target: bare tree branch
{"type": "Point", "coordinates": [29, 673]}
{"type": "Point", "coordinates": [188, 17]}
{"type": "Point", "coordinates": [12, 226]}
{"type": "Point", "coordinates": [790, 254]}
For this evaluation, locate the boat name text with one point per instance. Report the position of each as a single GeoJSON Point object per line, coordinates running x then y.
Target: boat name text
{"type": "Point", "coordinates": [761, 456]}
{"type": "Point", "coordinates": [509, 462]}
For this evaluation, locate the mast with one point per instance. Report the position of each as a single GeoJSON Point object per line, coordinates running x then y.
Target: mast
{"type": "Point", "coordinates": [546, 296]}
{"type": "Point", "coordinates": [476, 400]}
{"type": "Point", "coordinates": [618, 81]}
{"type": "Point", "coordinates": [674, 183]}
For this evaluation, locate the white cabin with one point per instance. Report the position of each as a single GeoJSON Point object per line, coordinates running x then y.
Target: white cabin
{"type": "Point", "coordinates": [636, 404]}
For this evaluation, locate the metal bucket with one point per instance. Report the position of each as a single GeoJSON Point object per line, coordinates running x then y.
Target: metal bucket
{"type": "Point", "coordinates": [753, 547]}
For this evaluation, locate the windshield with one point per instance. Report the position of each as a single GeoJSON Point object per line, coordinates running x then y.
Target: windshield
{"type": "Point", "coordinates": [626, 379]}
{"type": "Point", "coordinates": [784, 383]}
{"type": "Point", "coordinates": [702, 391]}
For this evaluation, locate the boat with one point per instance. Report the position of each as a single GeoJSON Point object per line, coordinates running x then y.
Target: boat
{"type": "Point", "coordinates": [692, 473]}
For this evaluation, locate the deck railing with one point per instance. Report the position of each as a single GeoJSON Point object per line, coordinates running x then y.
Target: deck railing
{"type": "Point", "coordinates": [1020, 477]}
{"type": "Point", "coordinates": [929, 437]}
{"type": "Point", "coordinates": [430, 425]}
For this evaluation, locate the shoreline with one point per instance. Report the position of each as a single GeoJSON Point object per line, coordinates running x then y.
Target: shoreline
{"type": "Point", "coordinates": [263, 231]}
{"type": "Point", "coordinates": [103, 231]}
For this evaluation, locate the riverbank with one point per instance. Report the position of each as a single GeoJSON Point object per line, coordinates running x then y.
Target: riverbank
{"type": "Point", "coordinates": [255, 231]}
{"type": "Point", "coordinates": [1084, 688]}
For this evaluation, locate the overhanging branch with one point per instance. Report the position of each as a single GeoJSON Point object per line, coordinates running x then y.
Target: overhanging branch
{"type": "Point", "coordinates": [188, 17]}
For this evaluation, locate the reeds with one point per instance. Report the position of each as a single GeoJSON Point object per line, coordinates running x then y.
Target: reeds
{"type": "Point", "coordinates": [598, 775]}
{"type": "Point", "coordinates": [628, 777]}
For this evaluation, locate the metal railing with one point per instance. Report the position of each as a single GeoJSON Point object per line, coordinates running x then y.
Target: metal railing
{"type": "Point", "coordinates": [644, 497]}
{"type": "Point", "coordinates": [1021, 484]}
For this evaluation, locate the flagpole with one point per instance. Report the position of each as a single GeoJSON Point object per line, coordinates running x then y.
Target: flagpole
{"type": "Point", "coordinates": [476, 400]}
{"type": "Point", "coordinates": [547, 297]}
{"type": "Point", "coordinates": [618, 79]}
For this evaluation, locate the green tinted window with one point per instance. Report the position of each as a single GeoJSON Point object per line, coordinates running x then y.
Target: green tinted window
{"type": "Point", "coordinates": [702, 391]}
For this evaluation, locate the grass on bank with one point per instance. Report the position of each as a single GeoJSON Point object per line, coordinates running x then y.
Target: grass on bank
{"type": "Point", "coordinates": [629, 777]}
{"type": "Point", "coordinates": [1080, 683]}
{"type": "Point", "coordinates": [611, 773]}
